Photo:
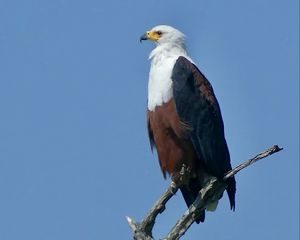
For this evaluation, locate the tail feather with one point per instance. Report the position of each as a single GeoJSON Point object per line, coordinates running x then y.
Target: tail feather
{"type": "Point", "coordinates": [231, 189]}
{"type": "Point", "coordinates": [190, 194]}
{"type": "Point", "coordinates": [189, 197]}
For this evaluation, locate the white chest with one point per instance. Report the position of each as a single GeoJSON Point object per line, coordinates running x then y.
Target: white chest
{"type": "Point", "coordinates": [163, 59]}
{"type": "Point", "coordinates": [160, 82]}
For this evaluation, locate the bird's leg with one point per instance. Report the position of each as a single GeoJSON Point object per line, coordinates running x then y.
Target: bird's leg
{"type": "Point", "coordinates": [183, 176]}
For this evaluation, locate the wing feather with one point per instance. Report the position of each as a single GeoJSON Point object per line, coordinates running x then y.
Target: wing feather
{"type": "Point", "coordinates": [198, 107]}
{"type": "Point", "coordinates": [150, 133]}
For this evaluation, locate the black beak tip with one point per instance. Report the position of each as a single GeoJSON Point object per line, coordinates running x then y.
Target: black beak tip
{"type": "Point", "coordinates": [143, 37]}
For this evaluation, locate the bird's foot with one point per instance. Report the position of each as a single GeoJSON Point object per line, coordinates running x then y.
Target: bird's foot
{"type": "Point", "coordinates": [183, 176]}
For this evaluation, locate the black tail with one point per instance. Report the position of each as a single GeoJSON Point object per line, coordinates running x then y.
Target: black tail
{"type": "Point", "coordinates": [190, 196]}
{"type": "Point", "coordinates": [231, 189]}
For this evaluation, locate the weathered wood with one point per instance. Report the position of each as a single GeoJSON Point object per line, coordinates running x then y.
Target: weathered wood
{"type": "Point", "coordinates": [143, 231]}
{"type": "Point", "coordinates": [210, 193]}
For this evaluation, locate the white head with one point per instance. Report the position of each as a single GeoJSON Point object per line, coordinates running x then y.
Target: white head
{"type": "Point", "coordinates": [169, 46]}
{"type": "Point", "coordinates": [164, 34]}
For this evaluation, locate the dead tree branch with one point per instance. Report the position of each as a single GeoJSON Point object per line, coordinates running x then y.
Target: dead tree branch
{"type": "Point", "coordinates": [208, 194]}
{"type": "Point", "coordinates": [143, 231]}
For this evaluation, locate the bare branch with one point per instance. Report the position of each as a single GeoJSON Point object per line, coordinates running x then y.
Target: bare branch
{"type": "Point", "coordinates": [247, 163]}
{"type": "Point", "coordinates": [138, 233]}
{"type": "Point", "coordinates": [210, 193]}
{"type": "Point", "coordinates": [143, 231]}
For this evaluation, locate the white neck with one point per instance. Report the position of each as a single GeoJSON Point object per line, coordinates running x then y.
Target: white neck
{"type": "Point", "coordinates": [163, 58]}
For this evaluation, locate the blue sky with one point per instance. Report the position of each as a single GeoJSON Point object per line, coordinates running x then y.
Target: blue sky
{"type": "Point", "coordinates": [74, 153]}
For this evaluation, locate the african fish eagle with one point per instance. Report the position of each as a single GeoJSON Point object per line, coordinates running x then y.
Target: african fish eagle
{"type": "Point", "coordinates": [184, 118]}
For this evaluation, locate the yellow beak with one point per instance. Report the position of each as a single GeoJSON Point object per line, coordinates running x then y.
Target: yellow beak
{"type": "Point", "coordinates": [150, 35]}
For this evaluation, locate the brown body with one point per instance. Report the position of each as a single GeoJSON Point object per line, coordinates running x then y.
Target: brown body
{"type": "Point", "coordinates": [174, 148]}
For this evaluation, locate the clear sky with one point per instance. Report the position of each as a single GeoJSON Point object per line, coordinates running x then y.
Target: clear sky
{"type": "Point", "coordinates": [74, 153]}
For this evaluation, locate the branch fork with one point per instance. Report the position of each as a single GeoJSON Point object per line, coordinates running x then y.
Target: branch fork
{"type": "Point", "coordinates": [209, 193]}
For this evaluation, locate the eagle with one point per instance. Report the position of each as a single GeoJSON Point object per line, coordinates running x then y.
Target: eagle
{"type": "Point", "coordinates": [184, 119]}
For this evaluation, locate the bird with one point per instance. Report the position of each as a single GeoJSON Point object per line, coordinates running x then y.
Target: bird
{"type": "Point", "coordinates": [184, 119]}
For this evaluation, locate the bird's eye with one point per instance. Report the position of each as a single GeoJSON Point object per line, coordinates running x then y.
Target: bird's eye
{"type": "Point", "coordinates": [159, 33]}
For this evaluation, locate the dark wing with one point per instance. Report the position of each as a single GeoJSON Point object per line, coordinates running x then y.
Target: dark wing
{"type": "Point", "coordinates": [150, 133]}
{"type": "Point", "coordinates": [198, 107]}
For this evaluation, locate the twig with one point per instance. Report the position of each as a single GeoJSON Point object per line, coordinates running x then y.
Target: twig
{"type": "Point", "coordinates": [247, 163]}
{"type": "Point", "coordinates": [210, 193]}
{"type": "Point", "coordinates": [143, 231]}
{"type": "Point", "coordinates": [138, 233]}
